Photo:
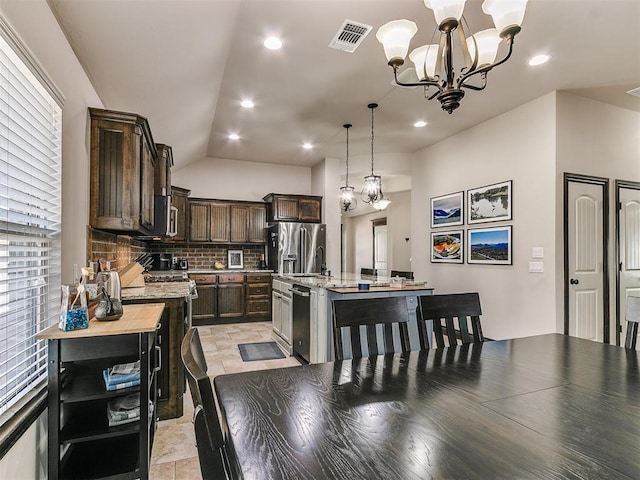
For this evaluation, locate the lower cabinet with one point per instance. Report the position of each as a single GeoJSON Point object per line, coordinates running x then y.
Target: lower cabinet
{"type": "Point", "coordinates": [282, 314]}
{"type": "Point", "coordinates": [231, 297]}
{"type": "Point", "coordinates": [170, 377]}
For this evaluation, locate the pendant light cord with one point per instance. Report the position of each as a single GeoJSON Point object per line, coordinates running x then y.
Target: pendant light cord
{"type": "Point", "coordinates": [372, 106]}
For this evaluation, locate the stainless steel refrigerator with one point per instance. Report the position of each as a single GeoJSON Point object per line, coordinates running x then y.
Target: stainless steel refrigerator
{"type": "Point", "coordinates": [296, 247]}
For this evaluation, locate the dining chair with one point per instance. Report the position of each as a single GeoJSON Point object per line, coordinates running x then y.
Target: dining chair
{"type": "Point", "coordinates": [209, 438]}
{"type": "Point", "coordinates": [633, 319]}
{"type": "Point", "coordinates": [403, 274]}
{"type": "Point", "coordinates": [443, 311]}
{"type": "Point", "coordinates": [368, 271]}
{"type": "Point", "coordinates": [384, 326]}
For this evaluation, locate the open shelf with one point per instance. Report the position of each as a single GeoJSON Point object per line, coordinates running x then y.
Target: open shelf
{"type": "Point", "coordinates": [88, 422]}
{"type": "Point", "coordinates": [113, 458]}
{"type": "Point", "coordinates": [91, 386]}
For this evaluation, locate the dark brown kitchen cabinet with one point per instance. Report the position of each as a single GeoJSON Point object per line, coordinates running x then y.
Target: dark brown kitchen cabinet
{"type": "Point", "coordinates": [231, 295]}
{"type": "Point", "coordinates": [122, 172]}
{"type": "Point", "coordinates": [293, 208]}
{"type": "Point", "coordinates": [164, 162]}
{"type": "Point", "coordinates": [222, 221]}
{"type": "Point", "coordinates": [179, 197]}
{"type": "Point", "coordinates": [206, 305]}
{"type": "Point", "coordinates": [258, 300]}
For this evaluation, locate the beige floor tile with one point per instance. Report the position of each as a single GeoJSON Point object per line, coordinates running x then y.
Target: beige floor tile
{"type": "Point", "coordinates": [163, 471]}
{"type": "Point", "coordinates": [174, 442]}
{"type": "Point", "coordinates": [188, 468]}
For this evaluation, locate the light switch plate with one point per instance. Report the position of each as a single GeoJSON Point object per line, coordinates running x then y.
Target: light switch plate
{"type": "Point", "coordinates": [536, 267]}
{"type": "Point", "coordinates": [537, 252]}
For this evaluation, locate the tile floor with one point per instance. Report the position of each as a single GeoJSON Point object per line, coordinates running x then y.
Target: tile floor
{"type": "Point", "coordinates": [174, 455]}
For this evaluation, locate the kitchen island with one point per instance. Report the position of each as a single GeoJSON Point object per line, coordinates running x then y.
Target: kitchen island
{"type": "Point", "coordinates": [302, 308]}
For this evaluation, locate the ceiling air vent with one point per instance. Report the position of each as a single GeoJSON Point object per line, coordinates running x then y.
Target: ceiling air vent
{"type": "Point", "coordinates": [350, 36]}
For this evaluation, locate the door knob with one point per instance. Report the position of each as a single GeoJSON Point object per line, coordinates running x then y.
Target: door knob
{"type": "Point", "coordinates": [574, 281]}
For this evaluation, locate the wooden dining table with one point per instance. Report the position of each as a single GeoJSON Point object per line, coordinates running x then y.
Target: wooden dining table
{"type": "Point", "coordinates": [541, 407]}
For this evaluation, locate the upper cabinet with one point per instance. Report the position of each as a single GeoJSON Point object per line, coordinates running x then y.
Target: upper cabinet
{"type": "Point", "coordinates": [164, 162]}
{"type": "Point", "coordinates": [293, 208]}
{"type": "Point", "coordinates": [123, 163]}
{"type": "Point", "coordinates": [220, 221]}
{"type": "Point", "coordinates": [179, 197]}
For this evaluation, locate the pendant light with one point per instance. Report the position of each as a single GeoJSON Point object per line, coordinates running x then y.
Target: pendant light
{"type": "Point", "coordinates": [348, 200]}
{"type": "Point", "coordinates": [372, 190]}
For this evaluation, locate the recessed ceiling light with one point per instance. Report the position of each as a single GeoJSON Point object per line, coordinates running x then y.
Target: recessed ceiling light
{"type": "Point", "coordinates": [307, 146]}
{"type": "Point", "coordinates": [234, 136]}
{"type": "Point", "coordinates": [247, 104]}
{"type": "Point", "coordinates": [420, 124]}
{"type": "Point", "coordinates": [273, 43]}
{"type": "Point", "coordinates": [539, 60]}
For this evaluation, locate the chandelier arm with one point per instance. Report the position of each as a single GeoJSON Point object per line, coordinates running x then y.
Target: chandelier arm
{"type": "Point", "coordinates": [487, 68]}
{"type": "Point", "coordinates": [433, 95]}
{"type": "Point", "coordinates": [470, 63]}
{"type": "Point", "coordinates": [422, 83]}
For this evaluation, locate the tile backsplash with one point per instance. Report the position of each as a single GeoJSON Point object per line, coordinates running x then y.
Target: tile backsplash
{"type": "Point", "coordinates": [120, 250]}
{"type": "Point", "coordinates": [203, 256]}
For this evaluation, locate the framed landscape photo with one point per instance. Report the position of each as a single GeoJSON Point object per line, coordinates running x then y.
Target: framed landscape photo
{"type": "Point", "coordinates": [489, 245]}
{"type": "Point", "coordinates": [491, 203]}
{"type": "Point", "coordinates": [235, 259]}
{"type": "Point", "coordinates": [447, 247]}
{"type": "Point", "coordinates": [447, 210]}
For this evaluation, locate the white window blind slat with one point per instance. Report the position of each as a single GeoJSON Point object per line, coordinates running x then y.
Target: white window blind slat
{"type": "Point", "coordinates": [30, 199]}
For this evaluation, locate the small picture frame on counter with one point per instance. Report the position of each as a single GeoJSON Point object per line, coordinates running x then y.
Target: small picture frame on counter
{"type": "Point", "coordinates": [235, 259]}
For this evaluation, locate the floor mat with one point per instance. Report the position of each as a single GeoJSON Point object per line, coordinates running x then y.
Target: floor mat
{"type": "Point", "coordinates": [260, 351]}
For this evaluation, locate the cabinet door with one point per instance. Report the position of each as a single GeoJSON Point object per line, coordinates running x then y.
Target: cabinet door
{"type": "Point", "coordinates": [199, 221]}
{"type": "Point", "coordinates": [286, 316]}
{"type": "Point", "coordinates": [239, 223]}
{"type": "Point", "coordinates": [205, 306]}
{"type": "Point", "coordinates": [309, 209]}
{"type": "Point", "coordinates": [147, 184]}
{"type": "Point", "coordinates": [257, 224]}
{"type": "Point", "coordinates": [179, 200]}
{"type": "Point", "coordinates": [219, 221]}
{"type": "Point", "coordinates": [285, 208]}
{"type": "Point", "coordinates": [230, 300]}
{"type": "Point", "coordinates": [276, 312]}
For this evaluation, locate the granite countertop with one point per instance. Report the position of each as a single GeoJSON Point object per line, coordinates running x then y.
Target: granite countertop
{"type": "Point", "coordinates": [231, 270]}
{"type": "Point", "coordinates": [346, 280]}
{"type": "Point", "coordinates": [157, 290]}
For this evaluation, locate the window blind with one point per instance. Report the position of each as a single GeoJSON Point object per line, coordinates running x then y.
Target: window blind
{"type": "Point", "coordinates": [30, 221]}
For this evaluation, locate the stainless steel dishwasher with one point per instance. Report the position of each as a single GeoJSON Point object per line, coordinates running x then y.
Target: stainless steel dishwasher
{"type": "Point", "coordinates": [301, 335]}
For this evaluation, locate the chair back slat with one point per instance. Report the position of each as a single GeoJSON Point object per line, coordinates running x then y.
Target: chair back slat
{"type": "Point", "coordinates": [444, 311]}
{"type": "Point", "coordinates": [368, 271]}
{"type": "Point", "coordinates": [373, 315]}
{"type": "Point", "coordinates": [633, 319]}
{"type": "Point", "coordinates": [209, 438]}
{"type": "Point", "coordinates": [401, 273]}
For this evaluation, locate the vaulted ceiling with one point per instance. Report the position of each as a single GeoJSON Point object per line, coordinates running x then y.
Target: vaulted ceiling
{"type": "Point", "coordinates": [187, 64]}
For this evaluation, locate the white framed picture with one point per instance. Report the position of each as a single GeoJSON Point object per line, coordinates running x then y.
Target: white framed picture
{"type": "Point", "coordinates": [491, 246]}
{"type": "Point", "coordinates": [491, 203]}
{"type": "Point", "coordinates": [235, 259]}
{"type": "Point", "coordinates": [447, 210]}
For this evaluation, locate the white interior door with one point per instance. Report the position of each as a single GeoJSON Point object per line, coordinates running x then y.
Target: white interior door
{"type": "Point", "coordinates": [629, 245]}
{"type": "Point", "coordinates": [586, 260]}
{"type": "Point", "coordinates": [380, 250]}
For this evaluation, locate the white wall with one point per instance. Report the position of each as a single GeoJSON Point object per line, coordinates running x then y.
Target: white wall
{"type": "Point", "coordinates": [239, 180]}
{"type": "Point", "coordinates": [519, 146]}
{"type": "Point", "coordinates": [602, 140]}
{"type": "Point", "coordinates": [325, 181]}
{"type": "Point", "coordinates": [39, 31]}
{"type": "Point", "coordinates": [398, 230]}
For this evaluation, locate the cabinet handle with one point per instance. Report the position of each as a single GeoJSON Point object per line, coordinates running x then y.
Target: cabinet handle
{"type": "Point", "coordinates": [158, 358]}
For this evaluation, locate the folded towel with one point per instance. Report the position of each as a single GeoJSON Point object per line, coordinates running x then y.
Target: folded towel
{"type": "Point", "coordinates": [123, 410]}
{"type": "Point", "coordinates": [122, 376]}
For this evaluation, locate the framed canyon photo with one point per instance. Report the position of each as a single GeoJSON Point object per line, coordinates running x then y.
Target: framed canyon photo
{"type": "Point", "coordinates": [447, 247]}
{"type": "Point", "coordinates": [489, 245]}
{"type": "Point", "coordinates": [447, 210]}
{"type": "Point", "coordinates": [491, 203]}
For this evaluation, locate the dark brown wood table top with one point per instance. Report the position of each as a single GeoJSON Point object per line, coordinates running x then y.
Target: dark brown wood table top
{"type": "Point", "coordinates": [543, 407]}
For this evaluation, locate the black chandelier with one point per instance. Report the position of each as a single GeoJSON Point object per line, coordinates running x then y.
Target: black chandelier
{"type": "Point", "coordinates": [434, 63]}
